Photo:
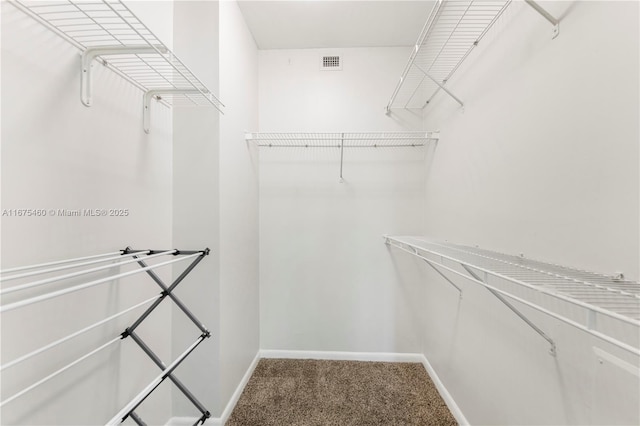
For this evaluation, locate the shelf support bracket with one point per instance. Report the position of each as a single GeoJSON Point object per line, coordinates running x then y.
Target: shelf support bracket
{"type": "Point", "coordinates": [341, 156]}
{"type": "Point", "coordinates": [443, 276]}
{"type": "Point", "coordinates": [93, 52]}
{"type": "Point", "coordinates": [537, 329]}
{"type": "Point", "coordinates": [549, 17]}
{"type": "Point", "coordinates": [157, 93]}
{"type": "Point", "coordinates": [440, 85]}
{"type": "Point", "coordinates": [387, 241]}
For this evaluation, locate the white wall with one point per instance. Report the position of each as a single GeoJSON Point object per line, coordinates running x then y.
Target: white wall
{"type": "Point", "coordinates": [196, 208]}
{"type": "Point", "coordinates": [546, 150]}
{"type": "Point", "coordinates": [326, 280]}
{"type": "Point", "coordinates": [216, 203]}
{"type": "Point", "coordinates": [542, 161]}
{"type": "Point", "coordinates": [58, 154]}
{"type": "Point", "coordinates": [239, 292]}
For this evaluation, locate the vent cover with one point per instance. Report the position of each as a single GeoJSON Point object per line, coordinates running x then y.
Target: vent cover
{"type": "Point", "coordinates": [331, 63]}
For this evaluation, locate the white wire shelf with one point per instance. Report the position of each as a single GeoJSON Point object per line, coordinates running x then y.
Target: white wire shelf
{"type": "Point", "coordinates": [109, 31]}
{"type": "Point", "coordinates": [534, 283]}
{"type": "Point", "coordinates": [454, 28]}
{"type": "Point", "coordinates": [342, 139]}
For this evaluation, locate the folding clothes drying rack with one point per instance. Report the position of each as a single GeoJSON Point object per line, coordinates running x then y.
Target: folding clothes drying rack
{"type": "Point", "coordinates": [137, 256]}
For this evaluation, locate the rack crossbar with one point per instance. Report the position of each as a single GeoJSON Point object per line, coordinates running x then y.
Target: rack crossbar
{"type": "Point", "coordinates": [57, 262]}
{"type": "Point", "coordinates": [59, 371]}
{"type": "Point", "coordinates": [72, 275]}
{"type": "Point", "coordinates": [72, 335]}
{"type": "Point", "coordinates": [61, 268]}
{"type": "Point", "coordinates": [62, 292]}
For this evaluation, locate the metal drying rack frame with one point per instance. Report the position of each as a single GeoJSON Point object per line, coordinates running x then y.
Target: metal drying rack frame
{"type": "Point", "coordinates": [141, 257]}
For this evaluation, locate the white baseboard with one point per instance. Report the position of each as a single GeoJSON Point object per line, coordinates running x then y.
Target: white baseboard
{"type": "Point", "coordinates": [189, 421]}
{"type": "Point", "coordinates": [220, 421]}
{"type": "Point", "coordinates": [328, 355]}
{"type": "Point", "coordinates": [444, 393]}
{"type": "Point", "coordinates": [343, 356]}
{"type": "Point", "coordinates": [236, 394]}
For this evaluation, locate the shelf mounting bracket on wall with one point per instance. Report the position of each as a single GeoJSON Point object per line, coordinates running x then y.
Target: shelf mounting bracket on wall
{"type": "Point", "coordinates": [428, 262]}
{"type": "Point", "coordinates": [157, 93]}
{"type": "Point", "coordinates": [549, 17]}
{"type": "Point", "coordinates": [441, 86]}
{"type": "Point", "coordinates": [341, 180]}
{"type": "Point", "coordinates": [100, 28]}
{"type": "Point", "coordinates": [93, 52]}
{"type": "Point", "coordinates": [452, 31]}
{"type": "Point", "coordinates": [537, 329]}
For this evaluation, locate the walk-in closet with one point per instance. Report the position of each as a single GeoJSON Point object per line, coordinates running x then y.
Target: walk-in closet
{"type": "Point", "coordinates": [256, 213]}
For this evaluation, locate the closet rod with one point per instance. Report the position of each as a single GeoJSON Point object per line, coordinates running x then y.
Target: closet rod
{"type": "Point", "coordinates": [57, 372]}
{"type": "Point", "coordinates": [62, 292]}
{"type": "Point", "coordinates": [339, 146]}
{"type": "Point", "coordinates": [74, 274]}
{"type": "Point", "coordinates": [77, 333]}
{"type": "Point", "coordinates": [138, 399]}
{"type": "Point", "coordinates": [597, 334]}
{"type": "Point", "coordinates": [57, 262]}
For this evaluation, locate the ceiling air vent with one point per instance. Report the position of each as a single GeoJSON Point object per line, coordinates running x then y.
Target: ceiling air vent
{"type": "Point", "coordinates": [331, 63]}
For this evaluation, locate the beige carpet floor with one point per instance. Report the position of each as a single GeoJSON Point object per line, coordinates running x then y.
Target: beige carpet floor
{"type": "Point", "coordinates": [292, 392]}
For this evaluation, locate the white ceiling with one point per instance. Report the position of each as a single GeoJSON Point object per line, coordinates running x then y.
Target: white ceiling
{"type": "Point", "coordinates": [300, 24]}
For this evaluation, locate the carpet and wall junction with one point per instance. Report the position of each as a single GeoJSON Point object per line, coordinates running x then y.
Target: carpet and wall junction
{"type": "Point", "coordinates": [297, 392]}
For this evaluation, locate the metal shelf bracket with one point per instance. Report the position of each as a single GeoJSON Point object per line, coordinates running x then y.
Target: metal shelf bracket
{"type": "Point", "coordinates": [157, 93]}
{"type": "Point", "coordinates": [549, 17]}
{"type": "Point", "coordinates": [440, 85]}
{"type": "Point", "coordinates": [91, 53]}
{"type": "Point", "coordinates": [341, 180]}
{"type": "Point", "coordinates": [523, 317]}
{"type": "Point", "coordinates": [428, 262]}
{"type": "Point", "coordinates": [550, 289]}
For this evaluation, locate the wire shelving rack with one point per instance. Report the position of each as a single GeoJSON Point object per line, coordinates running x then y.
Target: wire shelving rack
{"type": "Point", "coordinates": [453, 29]}
{"type": "Point", "coordinates": [582, 299]}
{"type": "Point", "coordinates": [342, 140]}
{"type": "Point", "coordinates": [108, 31]}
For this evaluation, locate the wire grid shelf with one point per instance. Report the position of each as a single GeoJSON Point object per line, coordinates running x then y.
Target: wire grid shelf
{"type": "Point", "coordinates": [339, 139]}
{"type": "Point", "coordinates": [611, 297]}
{"type": "Point", "coordinates": [451, 32]}
{"type": "Point", "coordinates": [91, 24]}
